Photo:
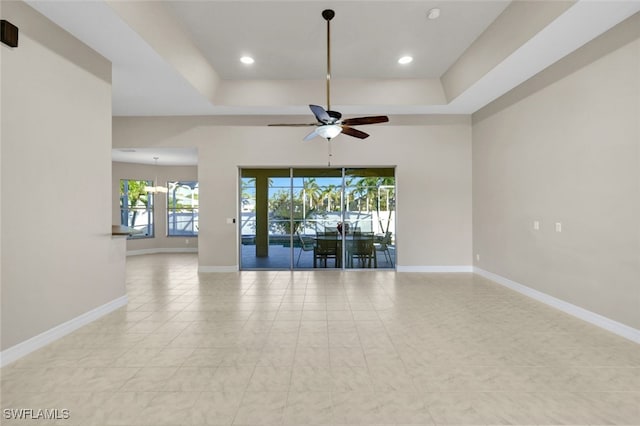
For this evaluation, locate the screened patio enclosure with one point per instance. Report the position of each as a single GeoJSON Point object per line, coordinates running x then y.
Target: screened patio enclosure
{"type": "Point", "coordinates": [306, 218]}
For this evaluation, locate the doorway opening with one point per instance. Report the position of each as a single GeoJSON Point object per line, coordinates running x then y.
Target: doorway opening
{"type": "Point", "coordinates": [307, 218]}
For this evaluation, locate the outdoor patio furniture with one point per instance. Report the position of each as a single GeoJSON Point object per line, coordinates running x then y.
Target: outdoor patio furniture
{"type": "Point", "coordinates": [305, 245]}
{"type": "Point", "coordinates": [326, 248]}
{"type": "Point", "coordinates": [361, 248]}
{"type": "Point", "coordinates": [382, 245]}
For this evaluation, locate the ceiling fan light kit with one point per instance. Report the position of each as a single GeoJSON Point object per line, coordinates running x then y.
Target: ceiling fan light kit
{"type": "Point", "coordinates": [330, 123]}
{"type": "Point", "coordinates": [329, 131]}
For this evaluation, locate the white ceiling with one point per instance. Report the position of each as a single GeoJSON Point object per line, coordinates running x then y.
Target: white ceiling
{"type": "Point", "coordinates": [153, 76]}
{"type": "Point", "coordinates": [288, 39]}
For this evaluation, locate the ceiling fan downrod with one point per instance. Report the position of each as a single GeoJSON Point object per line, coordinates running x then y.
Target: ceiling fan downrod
{"type": "Point", "coordinates": [328, 15]}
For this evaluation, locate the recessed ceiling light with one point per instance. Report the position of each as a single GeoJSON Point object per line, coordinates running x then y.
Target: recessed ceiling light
{"type": "Point", "coordinates": [433, 13]}
{"type": "Point", "coordinates": [247, 60]}
{"type": "Point", "coordinates": [405, 60]}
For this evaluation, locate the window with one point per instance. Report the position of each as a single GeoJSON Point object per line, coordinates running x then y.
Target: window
{"type": "Point", "coordinates": [182, 209]}
{"type": "Point", "coordinates": [136, 207]}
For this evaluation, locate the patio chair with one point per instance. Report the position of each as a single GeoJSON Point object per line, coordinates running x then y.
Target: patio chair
{"type": "Point", "coordinates": [326, 248]}
{"type": "Point", "coordinates": [362, 249]}
{"type": "Point", "coordinates": [305, 245]}
{"type": "Point", "coordinates": [330, 230]}
{"type": "Point", "coordinates": [383, 246]}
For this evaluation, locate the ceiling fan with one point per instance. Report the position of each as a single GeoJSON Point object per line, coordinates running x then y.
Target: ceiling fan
{"type": "Point", "coordinates": [330, 123]}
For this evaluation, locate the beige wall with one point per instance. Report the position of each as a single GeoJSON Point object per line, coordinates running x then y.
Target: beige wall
{"type": "Point", "coordinates": [58, 257]}
{"type": "Point", "coordinates": [565, 147]}
{"type": "Point", "coordinates": [433, 175]}
{"type": "Point", "coordinates": [164, 174]}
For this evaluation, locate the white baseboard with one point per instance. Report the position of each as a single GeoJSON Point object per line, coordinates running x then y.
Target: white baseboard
{"type": "Point", "coordinates": [21, 349]}
{"type": "Point", "coordinates": [162, 250]}
{"type": "Point", "coordinates": [453, 268]}
{"type": "Point", "coordinates": [233, 268]}
{"type": "Point", "coordinates": [576, 311]}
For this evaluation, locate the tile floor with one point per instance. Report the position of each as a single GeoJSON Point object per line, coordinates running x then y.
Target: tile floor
{"type": "Point", "coordinates": [327, 347]}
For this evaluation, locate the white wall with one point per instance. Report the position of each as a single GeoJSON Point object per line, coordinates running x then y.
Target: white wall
{"type": "Point", "coordinates": [58, 257]}
{"type": "Point", "coordinates": [565, 147]}
{"type": "Point", "coordinates": [164, 174]}
{"type": "Point", "coordinates": [433, 176]}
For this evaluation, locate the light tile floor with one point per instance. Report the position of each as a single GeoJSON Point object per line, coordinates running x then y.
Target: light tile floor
{"type": "Point", "coordinates": [327, 347]}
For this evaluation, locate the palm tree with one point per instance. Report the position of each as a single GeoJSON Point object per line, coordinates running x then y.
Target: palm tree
{"type": "Point", "coordinates": [311, 191]}
{"type": "Point", "coordinates": [328, 194]}
{"type": "Point", "coordinates": [132, 197]}
{"type": "Point", "coordinates": [366, 194]}
{"type": "Point", "coordinates": [283, 209]}
{"type": "Point", "coordinates": [311, 194]}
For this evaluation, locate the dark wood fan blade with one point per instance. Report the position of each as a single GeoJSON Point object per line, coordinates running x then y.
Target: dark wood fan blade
{"type": "Point", "coordinates": [292, 125]}
{"type": "Point", "coordinates": [365, 120]}
{"type": "Point", "coordinates": [354, 132]}
{"type": "Point", "coordinates": [320, 114]}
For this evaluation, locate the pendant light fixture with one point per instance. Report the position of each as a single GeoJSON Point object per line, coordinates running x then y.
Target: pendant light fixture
{"type": "Point", "coordinates": [156, 188]}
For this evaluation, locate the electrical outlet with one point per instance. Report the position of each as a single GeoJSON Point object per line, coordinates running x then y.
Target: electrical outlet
{"type": "Point", "coordinates": [558, 227]}
{"type": "Point", "coordinates": [478, 257]}
{"type": "Point", "coordinates": [536, 225]}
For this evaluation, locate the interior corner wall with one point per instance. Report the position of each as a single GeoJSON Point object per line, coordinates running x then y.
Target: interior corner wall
{"type": "Point", "coordinates": [565, 148]}
{"type": "Point", "coordinates": [160, 241]}
{"type": "Point", "coordinates": [59, 260]}
{"type": "Point", "coordinates": [433, 176]}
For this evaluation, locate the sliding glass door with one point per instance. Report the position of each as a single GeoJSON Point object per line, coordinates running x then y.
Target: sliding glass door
{"type": "Point", "coordinates": [317, 218]}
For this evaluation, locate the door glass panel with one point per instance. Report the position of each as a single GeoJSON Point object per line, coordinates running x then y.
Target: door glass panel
{"type": "Point", "coordinates": [247, 222]}
{"type": "Point", "coordinates": [369, 202]}
{"type": "Point", "coordinates": [317, 210]}
{"type": "Point", "coordinates": [265, 224]}
{"type": "Point", "coordinates": [280, 224]}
